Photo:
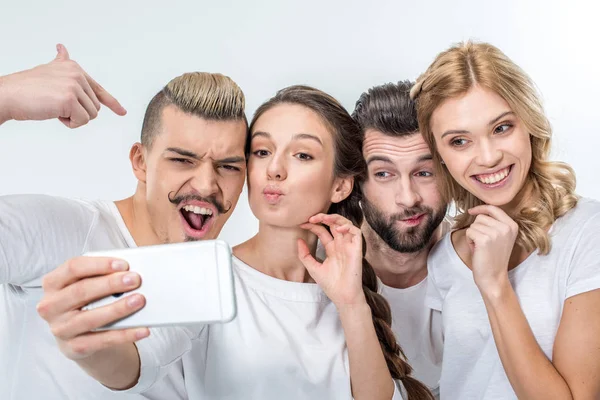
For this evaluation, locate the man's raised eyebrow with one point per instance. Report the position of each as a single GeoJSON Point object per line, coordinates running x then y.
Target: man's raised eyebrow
{"type": "Point", "coordinates": [425, 157]}
{"type": "Point", "coordinates": [378, 158]}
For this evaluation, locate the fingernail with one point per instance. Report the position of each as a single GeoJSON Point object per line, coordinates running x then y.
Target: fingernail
{"type": "Point", "coordinates": [134, 301]}
{"type": "Point", "coordinates": [129, 279]}
{"type": "Point", "coordinates": [118, 265]}
{"type": "Point", "coordinates": [142, 333]}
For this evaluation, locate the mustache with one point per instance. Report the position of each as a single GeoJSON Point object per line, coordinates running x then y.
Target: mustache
{"type": "Point", "coordinates": [409, 213]}
{"type": "Point", "coordinates": [178, 199]}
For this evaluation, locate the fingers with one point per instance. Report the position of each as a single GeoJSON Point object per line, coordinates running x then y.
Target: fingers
{"type": "Point", "coordinates": [63, 54]}
{"type": "Point", "coordinates": [79, 268]}
{"type": "Point", "coordinates": [86, 345]}
{"type": "Point", "coordinates": [87, 102]}
{"type": "Point", "coordinates": [94, 91]}
{"type": "Point", "coordinates": [486, 220]}
{"type": "Point", "coordinates": [78, 116]}
{"type": "Point", "coordinates": [106, 98]}
{"type": "Point", "coordinates": [479, 235]}
{"type": "Point", "coordinates": [329, 219]}
{"type": "Point", "coordinates": [85, 84]}
{"type": "Point", "coordinates": [87, 321]}
{"type": "Point", "coordinates": [306, 258]}
{"type": "Point", "coordinates": [492, 211]}
{"type": "Point", "coordinates": [321, 232]}
{"type": "Point", "coordinates": [85, 291]}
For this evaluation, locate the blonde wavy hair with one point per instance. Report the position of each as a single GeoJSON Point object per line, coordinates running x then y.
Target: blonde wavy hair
{"type": "Point", "coordinates": [550, 185]}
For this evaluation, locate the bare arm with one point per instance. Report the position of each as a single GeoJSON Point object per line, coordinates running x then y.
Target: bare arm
{"type": "Point", "coordinates": [340, 276]}
{"type": "Point", "coordinates": [369, 373]}
{"type": "Point", "coordinates": [575, 371]}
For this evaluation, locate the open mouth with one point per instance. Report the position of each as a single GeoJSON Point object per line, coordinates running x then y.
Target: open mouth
{"type": "Point", "coordinates": [197, 220]}
{"type": "Point", "coordinates": [494, 179]}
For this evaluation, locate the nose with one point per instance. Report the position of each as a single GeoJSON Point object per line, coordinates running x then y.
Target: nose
{"type": "Point", "coordinates": [488, 155]}
{"type": "Point", "coordinates": [276, 169]}
{"type": "Point", "coordinates": [205, 180]}
{"type": "Point", "coordinates": [407, 194]}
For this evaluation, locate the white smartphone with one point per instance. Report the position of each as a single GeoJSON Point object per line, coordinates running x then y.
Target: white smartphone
{"type": "Point", "coordinates": [183, 283]}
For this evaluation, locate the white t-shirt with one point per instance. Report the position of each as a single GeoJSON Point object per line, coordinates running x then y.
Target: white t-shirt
{"type": "Point", "coordinates": [37, 234]}
{"type": "Point", "coordinates": [471, 367]}
{"type": "Point", "coordinates": [286, 342]}
{"type": "Point", "coordinates": [418, 329]}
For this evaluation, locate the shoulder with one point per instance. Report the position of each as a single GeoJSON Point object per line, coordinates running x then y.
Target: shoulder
{"type": "Point", "coordinates": [28, 204]}
{"type": "Point", "coordinates": [581, 220]}
{"type": "Point", "coordinates": [441, 253]}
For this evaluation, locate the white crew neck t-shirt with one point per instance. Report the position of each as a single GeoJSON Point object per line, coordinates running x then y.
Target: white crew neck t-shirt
{"type": "Point", "coordinates": [37, 234]}
{"type": "Point", "coordinates": [286, 342]}
{"type": "Point", "coordinates": [471, 367]}
{"type": "Point", "coordinates": [418, 329]}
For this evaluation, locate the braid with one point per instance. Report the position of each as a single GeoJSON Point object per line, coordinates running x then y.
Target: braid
{"type": "Point", "coordinates": [380, 309]}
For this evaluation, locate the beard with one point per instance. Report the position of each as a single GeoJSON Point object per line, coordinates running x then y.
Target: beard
{"type": "Point", "coordinates": [409, 240]}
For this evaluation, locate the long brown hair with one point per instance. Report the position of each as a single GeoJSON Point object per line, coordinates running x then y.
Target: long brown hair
{"type": "Point", "coordinates": [552, 184]}
{"type": "Point", "coordinates": [349, 162]}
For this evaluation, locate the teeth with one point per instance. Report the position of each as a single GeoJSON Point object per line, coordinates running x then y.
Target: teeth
{"type": "Point", "coordinates": [493, 178]}
{"type": "Point", "coordinates": [198, 210]}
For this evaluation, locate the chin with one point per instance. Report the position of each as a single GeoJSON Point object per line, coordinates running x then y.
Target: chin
{"type": "Point", "coordinates": [281, 218]}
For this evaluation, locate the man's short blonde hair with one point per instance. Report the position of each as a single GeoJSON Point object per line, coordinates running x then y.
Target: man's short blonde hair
{"type": "Point", "coordinates": [207, 95]}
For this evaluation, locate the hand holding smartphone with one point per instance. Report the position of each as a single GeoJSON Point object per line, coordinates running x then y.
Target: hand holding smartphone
{"type": "Point", "coordinates": [183, 284]}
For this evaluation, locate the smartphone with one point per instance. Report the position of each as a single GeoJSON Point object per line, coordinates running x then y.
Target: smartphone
{"type": "Point", "coordinates": [183, 283]}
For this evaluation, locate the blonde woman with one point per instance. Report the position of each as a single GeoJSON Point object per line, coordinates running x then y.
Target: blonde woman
{"type": "Point", "coordinates": [517, 280]}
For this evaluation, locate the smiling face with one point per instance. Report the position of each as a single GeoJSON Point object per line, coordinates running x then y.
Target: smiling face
{"type": "Point", "coordinates": [485, 146]}
{"type": "Point", "coordinates": [291, 166]}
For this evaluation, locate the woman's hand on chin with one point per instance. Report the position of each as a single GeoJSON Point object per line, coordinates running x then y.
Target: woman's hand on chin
{"type": "Point", "coordinates": [340, 275]}
{"type": "Point", "coordinates": [491, 238]}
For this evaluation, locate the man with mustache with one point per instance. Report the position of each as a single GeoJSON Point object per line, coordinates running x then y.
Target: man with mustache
{"type": "Point", "coordinates": [404, 217]}
{"type": "Point", "coordinates": [190, 166]}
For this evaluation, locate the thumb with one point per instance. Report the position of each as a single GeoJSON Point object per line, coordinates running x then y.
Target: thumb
{"type": "Point", "coordinates": [63, 54]}
{"type": "Point", "coordinates": [309, 262]}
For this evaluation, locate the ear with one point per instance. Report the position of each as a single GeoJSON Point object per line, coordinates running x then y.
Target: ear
{"type": "Point", "coordinates": [137, 156]}
{"type": "Point", "coordinates": [342, 188]}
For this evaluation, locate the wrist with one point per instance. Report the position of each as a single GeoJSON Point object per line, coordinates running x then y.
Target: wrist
{"type": "Point", "coordinates": [4, 113]}
{"type": "Point", "coordinates": [358, 304]}
{"type": "Point", "coordinates": [496, 290]}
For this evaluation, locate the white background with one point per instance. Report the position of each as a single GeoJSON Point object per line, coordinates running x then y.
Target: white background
{"type": "Point", "coordinates": [134, 48]}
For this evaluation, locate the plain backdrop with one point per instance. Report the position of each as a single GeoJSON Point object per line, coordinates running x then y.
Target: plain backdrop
{"type": "Point", "coordinates": [133, 48]}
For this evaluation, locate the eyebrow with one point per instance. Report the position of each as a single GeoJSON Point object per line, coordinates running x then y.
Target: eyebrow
{"type": "Point", "coordinates": [378, 158]}
{"type": "Point", "coordinates": [232, 160]}
{"type": "Point", "coordinates": [462, 131]}
{"type": "Point", "coordinates": [308, 136]}
{"type": "Point", "coordinates": [424, 157]}
{"type": "Point", "coordinates": [191, 154]}
{"type": "Point", "coordinates": [184, 152]}
{"type": "Point", "coordinates": [298, 136]}
{"type": "Point", "coordinates": [499, 117]}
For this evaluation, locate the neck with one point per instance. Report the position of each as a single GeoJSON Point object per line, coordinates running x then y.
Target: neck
{"type": "Point", "coordinates": [274, 252]}
{"type": "Point", "coordinates": [396, 269]}
{"type": "Point", "coordinates": [134, 212]}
